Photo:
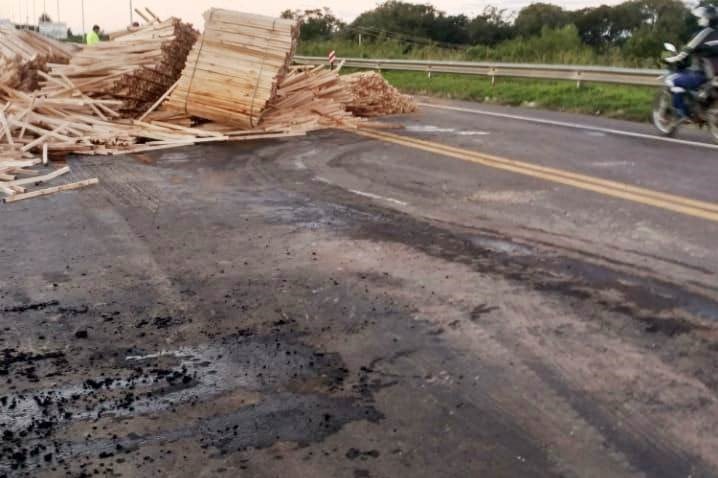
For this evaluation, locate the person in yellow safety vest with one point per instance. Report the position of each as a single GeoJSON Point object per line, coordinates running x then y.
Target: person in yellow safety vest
{"type": "Point", "coordinates": [94, 36]}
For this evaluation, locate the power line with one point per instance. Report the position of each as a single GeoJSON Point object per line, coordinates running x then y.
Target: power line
{"type": "Point", "coordinates": [406, 38]}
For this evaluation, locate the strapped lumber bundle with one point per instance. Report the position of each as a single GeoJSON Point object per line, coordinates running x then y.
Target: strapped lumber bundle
{"type": "Point", "coordinates": [137, 68]}
{"type": "Point", "coordinates": [372, 95]}
{"type": "Point", "coordinates": [234, 69]}
{"type": "Point", "coordinates": [24, 53]}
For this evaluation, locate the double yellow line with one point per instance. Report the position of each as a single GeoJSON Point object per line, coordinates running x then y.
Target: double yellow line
{"type": "Point", "coordinates": [669, 202]}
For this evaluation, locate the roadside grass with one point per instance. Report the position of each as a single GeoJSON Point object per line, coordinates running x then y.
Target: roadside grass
{"type": "Point", "coordinates": [614, 101]}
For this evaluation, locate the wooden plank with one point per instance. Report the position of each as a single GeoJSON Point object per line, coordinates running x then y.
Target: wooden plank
{"type": "Point", "coordinates": [6, 128]}
{"type": "Point", "coordinates": [159, 101]}
{"type": "Point", "coordinates": [39, 179]}
{"type": "Point", "coordinates": [52, 190]}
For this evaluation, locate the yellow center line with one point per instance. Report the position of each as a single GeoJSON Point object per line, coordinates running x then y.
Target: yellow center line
{"type": "Point", "coordinates": [683, 205]}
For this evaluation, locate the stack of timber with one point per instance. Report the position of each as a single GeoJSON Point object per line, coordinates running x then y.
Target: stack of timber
{"type": "Point", "coordinates": [372, 95]}
{"type": "Point", "coordinates": [24, 53]}
{"type": "Point", "coordinates": [20, 171]}
{"type": "Point", "coordinates": [235, 68]}
{"type": "Point", "coordinates": [137, 68]}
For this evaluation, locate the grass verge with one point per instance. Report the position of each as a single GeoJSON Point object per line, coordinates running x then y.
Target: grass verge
{"type": "Point", "coordinates": [615, 101]}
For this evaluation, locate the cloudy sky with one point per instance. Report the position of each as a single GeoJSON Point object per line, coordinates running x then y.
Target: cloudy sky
{"type": "Point", "coordinates": [115, 14]}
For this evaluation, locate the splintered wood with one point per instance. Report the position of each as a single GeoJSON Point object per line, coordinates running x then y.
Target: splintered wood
{"type": "Point", "coordinates": [136, 68]}
{"type": "Point", "coordinates": [16, 175]}
{"type": "Point", "coordinates": [23, 53]}
{"type": "Point", "coordinates": [234, 69]}
{"type": "Point", "coordinates": [371, 95]}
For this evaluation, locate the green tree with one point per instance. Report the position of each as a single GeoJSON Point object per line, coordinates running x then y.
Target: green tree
{"type": "Point", "coordinates": [533, 18]}
{"type": "Point", "coordinates": [489, 27]}
{"type": "Point", "coordinates": [398, 19]}
{"type": "Point", "coordinates": [316, 24]}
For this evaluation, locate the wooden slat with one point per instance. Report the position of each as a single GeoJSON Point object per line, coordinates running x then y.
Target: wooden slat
{"type": "Point", "coordinates": [52, 190]}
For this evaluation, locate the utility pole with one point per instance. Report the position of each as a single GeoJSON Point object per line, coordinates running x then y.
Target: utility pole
{"type": "Point", "coordinates": [132, 18]}
{"type": "Point", "coordinates": [83, 18]}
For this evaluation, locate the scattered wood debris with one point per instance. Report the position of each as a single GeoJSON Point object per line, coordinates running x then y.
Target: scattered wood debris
{"type": "Point", "coordinates": [372, 95]}
{"type": "Point", "coordinates": [234, 69]}
{"type": "Point", "coordinates": [68, 124]}
{"type": "Point", "coordinates": [16, 176]}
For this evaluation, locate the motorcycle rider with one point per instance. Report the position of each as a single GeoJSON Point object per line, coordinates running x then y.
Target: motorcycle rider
{"type": "Point", "coordinates": [699, 58]}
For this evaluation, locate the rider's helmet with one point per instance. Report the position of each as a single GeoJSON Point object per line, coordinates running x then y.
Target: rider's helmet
{"type": "Point", "coordinates": [707, 15]}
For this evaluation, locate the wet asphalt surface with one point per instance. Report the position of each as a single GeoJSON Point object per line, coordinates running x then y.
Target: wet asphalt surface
{"type": "Point", "coordinates": [334, 306]}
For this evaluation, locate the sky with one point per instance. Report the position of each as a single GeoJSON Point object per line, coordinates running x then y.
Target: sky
{"type": "Point", "coordinates": [114, 15]}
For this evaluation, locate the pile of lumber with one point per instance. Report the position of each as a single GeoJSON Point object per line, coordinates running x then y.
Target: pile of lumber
{"type": "Point", "coordinates": [234, 70]}
{"type": "Point", "coordinates": [16, 175]}
{"type": "Point", "coordinates": [372, 95]}
{"type": "Point", "coordinates": [136, 68]}
{"type": "Point", "coordinates": [145, 91]}
{"type": "Point", "coordinates": [23, 53]}
{"type": "Point", "coordinates": [309, 99]}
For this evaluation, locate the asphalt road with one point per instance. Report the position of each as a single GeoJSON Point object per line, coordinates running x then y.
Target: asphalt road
{"type": "Point", "coordinates": [471, 295]}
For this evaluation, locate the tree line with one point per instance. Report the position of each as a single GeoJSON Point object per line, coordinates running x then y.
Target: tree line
{"type": "Point", "coordinates": [633, 30]}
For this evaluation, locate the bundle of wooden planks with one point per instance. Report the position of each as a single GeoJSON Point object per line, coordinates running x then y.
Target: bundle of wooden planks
{"type": "Point", "coordinates": [235, 68]}
{"type": "Point", "coordinates": [16, 176]}
{"type": "Point", "coordinates": [136, 68]}
{"type": "Point", "coordinates": [23, 53]}
{"type": "Point", "coordinates": [372, 95]}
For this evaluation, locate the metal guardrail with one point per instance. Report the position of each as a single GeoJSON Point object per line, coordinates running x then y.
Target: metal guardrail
{"type": "Point", "coordinates": [577, 73]}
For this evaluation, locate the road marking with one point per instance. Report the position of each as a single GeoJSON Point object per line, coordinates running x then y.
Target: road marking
{"type": "Point", "coordinates": [376, 196]}
{"type": "Point", "coordinates": [669, 202]}
{"type": "Point", "coordinates": [580, 126]}
{"type": "Point", "coordinates": [423, 128]}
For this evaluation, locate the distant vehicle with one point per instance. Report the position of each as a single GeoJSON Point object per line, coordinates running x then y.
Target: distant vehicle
{"type": "Point", "coordinates": [701, 104]}
{"type": "Point", "coordinates": [58, 31]}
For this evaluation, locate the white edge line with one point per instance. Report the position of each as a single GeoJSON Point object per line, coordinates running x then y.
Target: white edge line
{"type": "Point", "coordinates": [573, 125]}
{"type": "Point", "coordinates": [376, 196]}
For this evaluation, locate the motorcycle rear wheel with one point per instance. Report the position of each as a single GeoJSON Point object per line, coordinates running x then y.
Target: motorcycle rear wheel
{"type": "Point", "coordinates": [712, 118]}
{"type": "Point", "coordinates": [664, 117]}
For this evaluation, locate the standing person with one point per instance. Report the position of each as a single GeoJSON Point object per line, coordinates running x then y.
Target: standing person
{"type": "Point", "coordinates": [94, 36]}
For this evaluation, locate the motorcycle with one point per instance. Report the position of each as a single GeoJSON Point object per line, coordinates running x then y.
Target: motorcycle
{"type": "Point", "coordinates": [701, 104]}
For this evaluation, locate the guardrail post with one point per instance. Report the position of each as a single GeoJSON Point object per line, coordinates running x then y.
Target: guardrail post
{"type": "Point", "coordinates": [578, 79]}
{"type": "Point", "coordinates": [492, 72]}
{"type": "Point", "coordinates": [428, 71]}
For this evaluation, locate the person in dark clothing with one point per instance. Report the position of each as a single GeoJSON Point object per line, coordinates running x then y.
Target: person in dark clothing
{"type": "Point", "coordinates": [700, 56]}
